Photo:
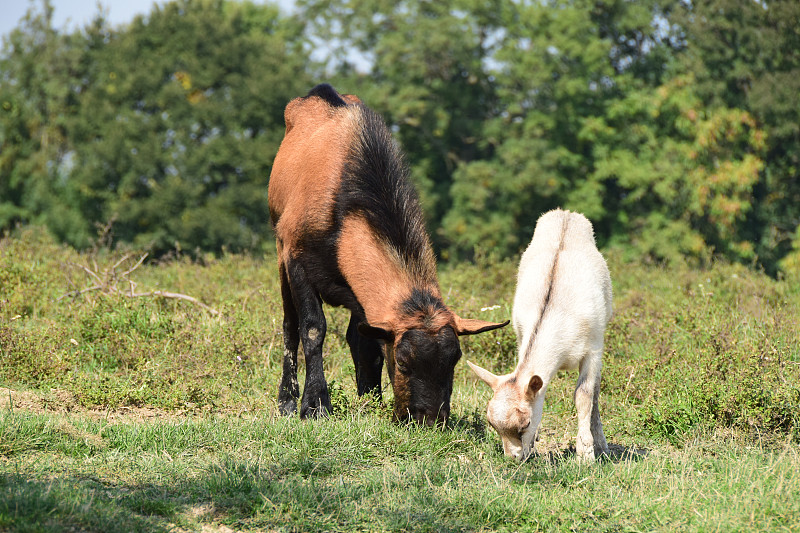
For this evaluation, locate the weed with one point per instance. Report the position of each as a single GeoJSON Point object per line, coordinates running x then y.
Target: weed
{"type": "Point", "coordinates": [120, 414]}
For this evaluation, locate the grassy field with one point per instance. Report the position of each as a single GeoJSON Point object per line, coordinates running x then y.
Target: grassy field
{"type": "Point", "coordinates": [154, 413]}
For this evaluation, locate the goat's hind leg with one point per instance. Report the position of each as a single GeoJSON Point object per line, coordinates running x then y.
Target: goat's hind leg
{"type": "Point", "coordinates": [316, 401]}
{"type": "Point", "coordinates": [289, 389]}
{"type": "Point", "coordinates": [591, 442]}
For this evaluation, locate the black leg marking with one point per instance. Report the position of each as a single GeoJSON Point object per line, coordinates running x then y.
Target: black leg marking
{"type": "Point", "coordinates": [316, 399]}
{"type": "Point", "coordinates": [367, 358]}
{"type": "Point", "coordinates": [289, 389]}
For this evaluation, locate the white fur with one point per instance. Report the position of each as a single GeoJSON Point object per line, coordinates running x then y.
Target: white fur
{"type": "Point", "coordinates": [564, 292]}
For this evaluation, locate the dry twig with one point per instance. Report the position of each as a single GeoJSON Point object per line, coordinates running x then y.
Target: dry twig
{"type": "Point", "coordinates": [108, 279]}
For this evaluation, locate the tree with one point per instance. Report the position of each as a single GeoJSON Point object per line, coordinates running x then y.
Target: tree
{"type": "Point", "coordinates": [682, 174]}
{"type": "Point", "coordinates": [181, 121]}
{"type": "Point", "coordinates": [672, 125]}
{"type": "Point", "coordinates": [746, 55]}
{"type": "Point", "coordinates": [167, 126]}
{"type": "Point", "coordinates": [43, 75]}
{"type": "Point", "coordinates": [427, 75]}
{"type": "Point", "coordinates": [559, 68]}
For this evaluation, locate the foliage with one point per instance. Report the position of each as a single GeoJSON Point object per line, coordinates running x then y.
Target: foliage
{"type": "Point", "coordinates": [428, 77]}
{"type": "Point", "coordinates": [43, 74]}
{"type": "Point", "coordinates": [746, 55]}
{"type": "Point", "coordinates": [556, 69]}
{"type": "Point", "coordinates": [672, 125]}
{"type": "Point", "coordinates": [682, 178]}
{"type": "Point", "coordinates": [605, 108]}
{"type": "Point", "coordinates": [168, 130]}
{"type": "Point", "coordinates": [687, 349]}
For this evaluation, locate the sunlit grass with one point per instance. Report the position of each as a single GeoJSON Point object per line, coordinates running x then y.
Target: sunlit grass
{"type": "Point", "coordinates": [146, 414]}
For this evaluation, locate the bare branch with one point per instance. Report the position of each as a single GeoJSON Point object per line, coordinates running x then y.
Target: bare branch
{"type": "Point", "coordinates": [118, 263]}
{"type": "Point", "coordinates": [134, 267]}
{"type": "Point", "coordinates": [107, 283]}
{"type": "Point", "coordinates": [177, 296]}
{"type": "Point", "coordinates": [76, 293]}
{"type": "Point", "coordinates": [88, 271]}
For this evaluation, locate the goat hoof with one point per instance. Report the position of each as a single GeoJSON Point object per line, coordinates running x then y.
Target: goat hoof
{"type": "Point", "coordinates": [287, 407]}
{"type": "Point", "coordinates": [319, 411]}
{"type": "Point", "coordinates": [317, 408]}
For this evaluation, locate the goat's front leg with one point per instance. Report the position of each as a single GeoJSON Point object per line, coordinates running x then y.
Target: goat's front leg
{"type": "Point", "coordinates": [367, 358]}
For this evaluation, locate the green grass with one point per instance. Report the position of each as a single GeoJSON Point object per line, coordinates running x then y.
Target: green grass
{"type": "Point", "coordinates": [358, 473]}
{"type": "Point", "coordinates": [148, 414]}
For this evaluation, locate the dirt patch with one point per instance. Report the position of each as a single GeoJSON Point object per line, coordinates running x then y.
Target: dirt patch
{"type": "Point", "coordinates": [63, 402]}
{"type": "Point", "coordinates": [205, 513]}
{"type": "Point", "coordinates": [56, 401]}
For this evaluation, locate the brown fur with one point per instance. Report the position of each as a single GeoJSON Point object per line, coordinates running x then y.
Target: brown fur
{"type": "Point", "coordinates": [305, 178]}
{"type": "Point", "coordinates": [370, 267]}
{"type": "Point", "coordinates": [330, 248]}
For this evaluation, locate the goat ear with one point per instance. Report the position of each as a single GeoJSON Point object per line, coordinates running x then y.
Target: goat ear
{"type": "Point", "coordinates": [488, 378]}
{"type": "Point", "coordinates": [534, 386]}
{"type": "Point", "coordinates": [471, 326]}
{"type": "Point", "coordinates": [376, 332]}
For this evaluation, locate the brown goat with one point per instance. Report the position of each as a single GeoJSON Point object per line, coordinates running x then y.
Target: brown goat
{"type": "Point", "coordinates": [350, 232]}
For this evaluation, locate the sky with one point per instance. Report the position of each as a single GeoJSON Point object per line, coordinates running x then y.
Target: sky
{"type": "Point", "coordinates": [77, 13]}
{"type": "Point", "coordinates": [72, 13]}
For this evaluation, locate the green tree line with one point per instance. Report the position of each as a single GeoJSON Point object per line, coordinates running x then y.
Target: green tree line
{"type": "Point", "coordinates": [673, 125]}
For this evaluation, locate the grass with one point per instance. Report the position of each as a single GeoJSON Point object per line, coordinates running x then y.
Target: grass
{"type": "Point", "coordinates": [356, 473]}
{"type": "Point", "coordinates": [151, 414]}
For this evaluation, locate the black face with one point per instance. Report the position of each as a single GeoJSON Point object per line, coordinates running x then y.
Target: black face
{"type": "Point", "coordinates": [422, 374]}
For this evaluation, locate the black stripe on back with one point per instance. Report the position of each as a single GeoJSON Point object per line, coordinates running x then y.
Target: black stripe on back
{"type": "Point", "coordinates": [376, 185]}
{"type": "Point", "coordinates": [327, 93]}
{"type": "Point", "coordinates": [422, 301]}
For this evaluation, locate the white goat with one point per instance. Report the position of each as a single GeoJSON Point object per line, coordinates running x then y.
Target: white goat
{"type": "Point", "coordinates": [561, 309]}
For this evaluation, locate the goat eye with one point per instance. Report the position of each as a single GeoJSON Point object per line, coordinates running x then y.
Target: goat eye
{"type": "Point", "coordinates": [402, 365]}
{"type": "Point", "coordinates": [401, 358]}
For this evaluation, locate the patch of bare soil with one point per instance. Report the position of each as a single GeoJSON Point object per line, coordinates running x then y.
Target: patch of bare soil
{"type": "Point", "coordinates": [203, 513]}
{"type": "Point", "coordinates": [56, 401]}
{"type": "Point", "coordinates": [63, 402]}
